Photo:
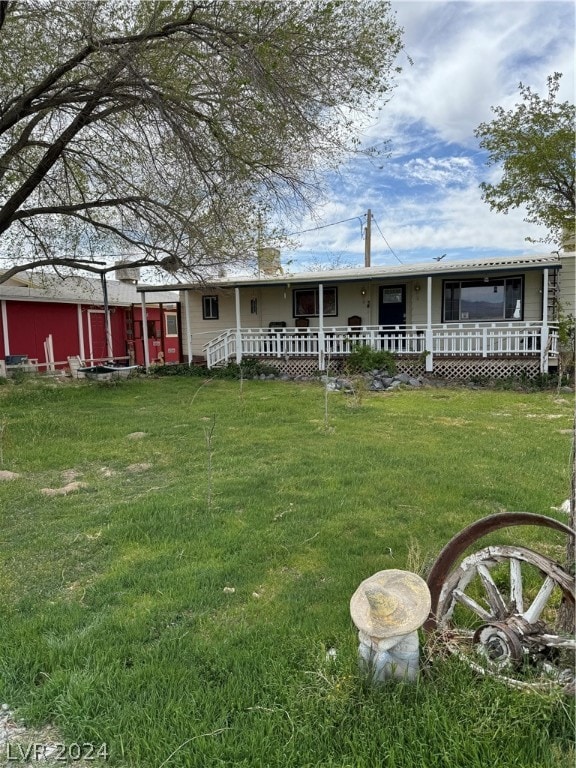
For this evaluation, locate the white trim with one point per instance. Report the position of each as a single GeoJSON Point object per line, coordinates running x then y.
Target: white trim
{"type": "Point", "coordinates": [80, 331]}
{"type": "Point", "coordinates": [404, 271]}
{"type": "Point", "coordinates": [429, 364]}
{"type": "Point", "coordinates": [166, 316]}
{"type": "Point", "coordinates": [545, 332]}
{"type": "Point", "coordinates": [145, 333]}
{"type": "Point", "coordinates": [321, 361]}
{"type": "Point", "coordinates": [238, 326]}
{"type": "Point", "coordinates": [5, 328]}
{"type": "Point", "coordinates": [188, 330]}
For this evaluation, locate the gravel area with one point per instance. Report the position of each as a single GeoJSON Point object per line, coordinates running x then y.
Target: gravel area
{"type": "Point", "coordinates": [21, 747]}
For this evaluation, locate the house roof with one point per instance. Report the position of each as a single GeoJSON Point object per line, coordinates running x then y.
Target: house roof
{"type": "Point", "coordinates": [411, 271]}
{"type": "Point", "coordinates": [76, 289]}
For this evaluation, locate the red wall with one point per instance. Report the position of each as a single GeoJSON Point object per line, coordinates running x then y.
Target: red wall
{"type": "Point", "coordinates": [30, 323]}
{"type": "Point", "coordinates": [160, 346]}
{"type": "Point", "coordinates": [93, 329]}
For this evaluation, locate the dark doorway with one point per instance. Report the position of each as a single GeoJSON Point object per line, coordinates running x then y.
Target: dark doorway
{"type": "Point", "coordinates": [392, 310]}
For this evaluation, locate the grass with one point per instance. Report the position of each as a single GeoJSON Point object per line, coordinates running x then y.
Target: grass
{"type": "Point", "coordinates": [180, 606]}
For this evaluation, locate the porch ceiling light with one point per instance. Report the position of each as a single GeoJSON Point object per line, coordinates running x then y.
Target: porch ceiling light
{"type": "Point", "coordinates": [363, 291]}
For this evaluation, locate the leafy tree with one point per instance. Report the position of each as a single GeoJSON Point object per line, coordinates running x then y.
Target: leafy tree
{"type": "Point", "coordinates": [163, 132]}
{"type": "Point", "coordinates": [534, 142]}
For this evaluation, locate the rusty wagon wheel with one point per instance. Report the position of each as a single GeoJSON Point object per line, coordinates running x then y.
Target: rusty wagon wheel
{"type": "Point", "coordinates": [499, 607]}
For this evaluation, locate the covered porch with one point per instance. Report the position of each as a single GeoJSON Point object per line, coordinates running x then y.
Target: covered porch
{"type": "Point", "coordinates": [488, 317]}
{"type": "Point", "coordinates": [418, 343]}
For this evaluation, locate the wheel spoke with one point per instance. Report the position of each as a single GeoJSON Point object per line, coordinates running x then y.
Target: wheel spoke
{"type": "Point", "coordinates": [516, 586]}
{"type": "Point", "coordinates": [463, 599]}
{"type": "Point", "coordinates": [558, 641]}
{"type": "Point", "coordinates": [532, 614]}
{"type": "Point", "coordinates": [491, 592]}
{"type": "Point", "coordinates": [493, 595]}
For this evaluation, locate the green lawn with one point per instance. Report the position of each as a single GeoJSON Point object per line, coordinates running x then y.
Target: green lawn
{"type": "Point", "coordinates": [180, 605]}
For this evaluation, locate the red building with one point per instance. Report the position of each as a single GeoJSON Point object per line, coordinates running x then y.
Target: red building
{"type": "Point", "coordinates": [49, 319]}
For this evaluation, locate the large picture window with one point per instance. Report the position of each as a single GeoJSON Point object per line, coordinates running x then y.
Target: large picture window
{"type": "Point", "coordinates": [489, 299]}
{"type": "Point", "coordinates": [307, 302]}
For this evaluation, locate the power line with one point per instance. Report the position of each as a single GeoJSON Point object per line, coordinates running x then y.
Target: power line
{"type": "Point", "coordinates": [386, 241]}
{"type": "Point", "coordinates": [324, 226]}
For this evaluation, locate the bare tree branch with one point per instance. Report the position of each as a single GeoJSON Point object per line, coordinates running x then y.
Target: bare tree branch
{"type": "Point", "coordinates": [173, 128]}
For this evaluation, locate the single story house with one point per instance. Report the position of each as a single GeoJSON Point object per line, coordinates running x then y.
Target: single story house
{"type": "Point", "coordinates": [44, 320]}
{"type": "Point", "coordinates": [496, 316]}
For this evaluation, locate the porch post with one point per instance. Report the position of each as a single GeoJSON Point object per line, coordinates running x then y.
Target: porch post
{"type": "Point", "coordinates": [429, 338]}
{"type": "Point", "coordinates": [238, 329]}
{"type": "Point", "coordinates": [545, 331]}
{"type": "Point", "coordinates": [109, 349]}
{"type": "Point", "coordinates": [5, 328]}
{"type": "Point", "coordinates": [188, 334]}
{"type": "Point", "coordinates": [80, 331]}
{"type": "Point", "coordinates": [145, 333]}
{"type": "Point", "coordinates": [321, 361]}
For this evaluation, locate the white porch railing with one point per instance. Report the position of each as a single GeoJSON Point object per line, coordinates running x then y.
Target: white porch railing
{"type": "Point", "coordinates": [447, 339]}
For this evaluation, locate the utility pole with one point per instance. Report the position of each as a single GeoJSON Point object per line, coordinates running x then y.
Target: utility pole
{"type": "Point", "coordinates": [367, 238]}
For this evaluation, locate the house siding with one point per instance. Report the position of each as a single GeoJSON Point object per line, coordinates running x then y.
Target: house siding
{"type": "Point", "coordinates": [567, 292]}
{"type": "Point", "coordinates": [359, 295]}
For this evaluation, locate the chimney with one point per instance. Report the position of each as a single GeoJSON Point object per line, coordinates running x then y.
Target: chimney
{"type": "Point", "coordinates": [126, 274]}
{"type": "Point", "coordinates": [269, 261]}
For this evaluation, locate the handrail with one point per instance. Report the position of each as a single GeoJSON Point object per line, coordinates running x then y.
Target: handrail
{"type": "Point", "coordinates": [450, 339]}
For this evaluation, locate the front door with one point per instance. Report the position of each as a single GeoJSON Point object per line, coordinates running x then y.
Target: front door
{"type": "Point", "coordinates": [392, 305]}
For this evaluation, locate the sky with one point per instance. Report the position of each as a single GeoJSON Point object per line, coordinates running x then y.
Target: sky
{"type": "Point", "coordinates": [425, 198]}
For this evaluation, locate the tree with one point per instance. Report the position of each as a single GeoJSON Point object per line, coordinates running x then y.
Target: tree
{"type": "Point", "coordinates": [534, 142]}
{"type": "Point", "coordinates": [163, 132]}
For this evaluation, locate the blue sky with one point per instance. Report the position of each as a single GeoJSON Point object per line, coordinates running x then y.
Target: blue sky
{"type": "Point", "coordinates": [425, 197]}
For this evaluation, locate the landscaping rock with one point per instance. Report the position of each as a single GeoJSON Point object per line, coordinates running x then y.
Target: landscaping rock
{"type": "Point", "coordinates": [377, 380]}
{"type": "Point", "coordinates": [6, 475]}
{"type": "Point", "coordinates": [377, 385]}
{"type": "Point", "coordinates": [65, 490]}
{"type": "Point", "coordinates": [141, 467]}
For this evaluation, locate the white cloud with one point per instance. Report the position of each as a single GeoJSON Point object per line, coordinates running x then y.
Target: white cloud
{"type": "Point", "coordinates": [438, 171]}
{"type": "Point", "coordinates": [468, 57]}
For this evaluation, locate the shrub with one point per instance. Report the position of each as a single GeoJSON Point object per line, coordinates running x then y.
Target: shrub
{"type": "Point", "coordinates": [363, 358]}
{"type": "Point", "coordinates": [249, 368]}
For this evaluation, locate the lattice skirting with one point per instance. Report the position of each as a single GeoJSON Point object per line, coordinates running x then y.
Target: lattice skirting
{"type": "Point", "coordinates": [296, 366]}
{"type": "Point", "coordinates": [308, 366]}
{"type": "Point", "coordinates": [450, 368]}
{"type": "Point", "coordinates": [494, 368]}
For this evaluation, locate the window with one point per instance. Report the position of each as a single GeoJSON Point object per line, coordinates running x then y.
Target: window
{"type": "Point", "coordinates": [307, 302]}
{"type": "Point", "coordinates": [171, 327]}
{"type": "Point", "coordinates": [151, 328]}
{"type": "Point", "coordinates": [394, 295]}
{"type": "Point", "coordinates": [488, 299]}
{"type": "Point", "coordinates": [210, 307]}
